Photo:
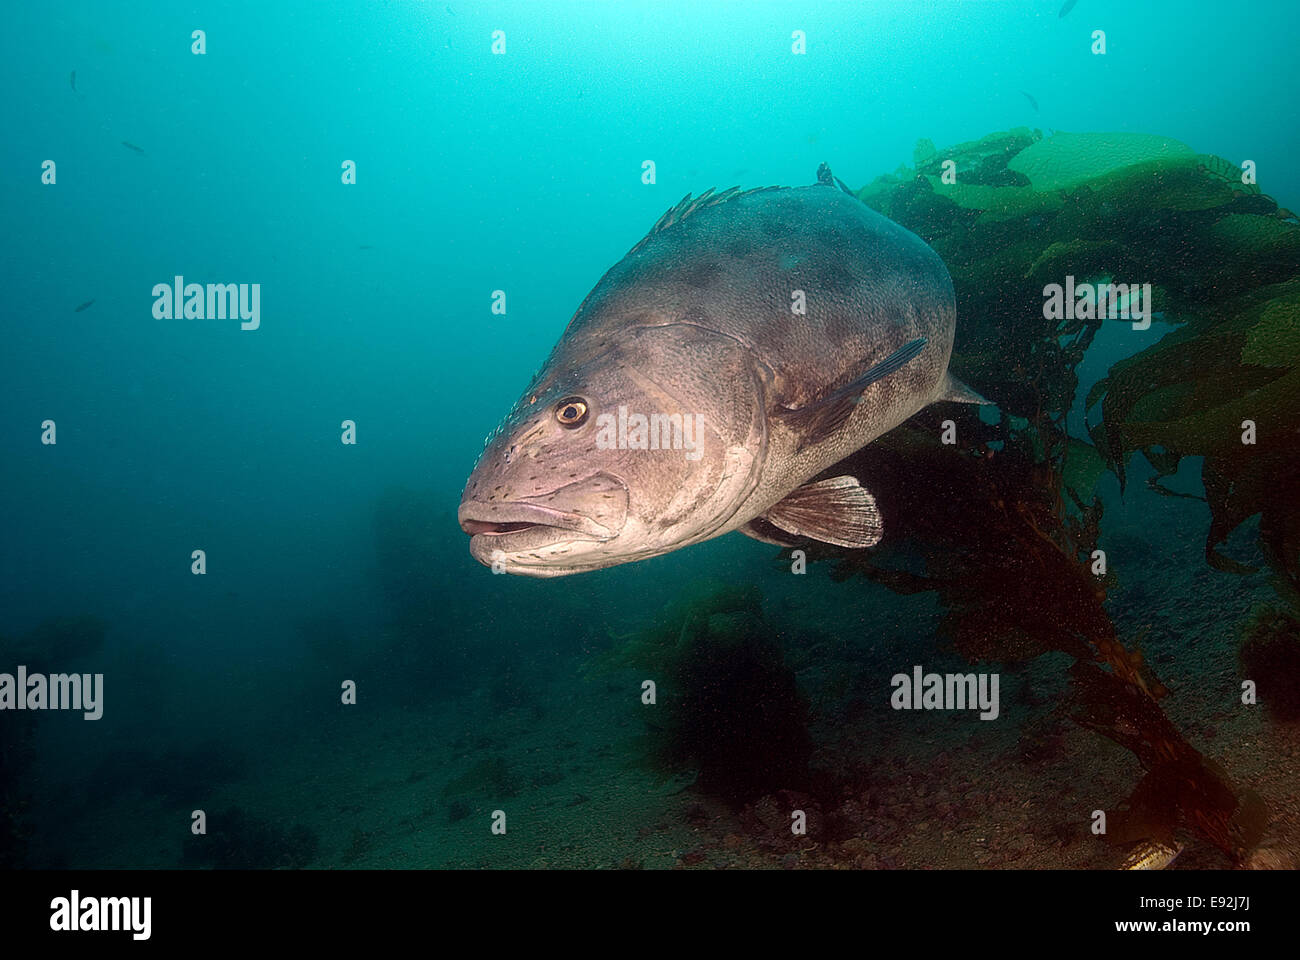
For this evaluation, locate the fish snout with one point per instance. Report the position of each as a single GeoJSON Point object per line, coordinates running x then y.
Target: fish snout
{"type": "Point", "coordinates": [592, 509]}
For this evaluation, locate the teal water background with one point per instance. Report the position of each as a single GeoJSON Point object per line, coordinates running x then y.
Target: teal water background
{"type": "Point", "coordinates": [475, 173]}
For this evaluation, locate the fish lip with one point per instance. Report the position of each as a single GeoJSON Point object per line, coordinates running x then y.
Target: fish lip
{"type": "Point", "coordinates": [477, 518]}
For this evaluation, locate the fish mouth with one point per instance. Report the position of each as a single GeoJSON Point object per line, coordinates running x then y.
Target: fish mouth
{"type": "Point", "coordinates": [549, 534]}
{"type": "Point", "coordinates": [520, 532]}
{"type": "Point", "coordinates": [504, 518]}
{"type": "Point", "coordinates": [493, 529]}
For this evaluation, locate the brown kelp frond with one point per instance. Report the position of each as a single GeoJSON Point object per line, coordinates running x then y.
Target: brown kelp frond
{"type": "Point", "coordinates": [1181, 787]}
{"type": "Point", "coordinates": [1003, 524]}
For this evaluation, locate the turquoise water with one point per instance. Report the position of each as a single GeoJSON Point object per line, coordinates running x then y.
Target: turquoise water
{"type": "Point", "coordinates": [474, 172]}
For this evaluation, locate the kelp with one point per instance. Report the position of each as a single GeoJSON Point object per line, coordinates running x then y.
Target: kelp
{"type": "Point", "coordinates": [727, 703]}
{"type": "Point", "coordinates": [1005, 539]}
{"type": "Point", "coordinates": [1181, 786]}
{"type": "Point", "coordinates": [1005, 555]}
{"type": "Point", "coordinates": [1197, 392]}
{"type": "Point", "coordinates": [1066, 160]}
{"type": "Point", "coordinates": [1224, 263]}
{"type": "Point", "coordinates": [1269, 654]}
{"type": "Point", "coordinates": [1003, 523]}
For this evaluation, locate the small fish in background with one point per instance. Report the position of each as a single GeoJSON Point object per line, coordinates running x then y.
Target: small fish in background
{"type": "Point", "coordinates": [132, 146]}
{"type": "Point", "coordinates": [1032, 102]}
{"type": "Point", "coordinates": [365, 246]}
{"type": "Point", "coordinates": [1151, 855]}
{"type": "Point", "coordinates": [83, 306]}
{"type": "Point", "coordinates": [74, 81]}
{"type": "Point", "coordinates": [1069, 5]}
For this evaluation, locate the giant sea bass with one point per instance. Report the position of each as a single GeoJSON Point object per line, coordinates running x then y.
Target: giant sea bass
{"type": "Point", "coordinates": [750, 341]}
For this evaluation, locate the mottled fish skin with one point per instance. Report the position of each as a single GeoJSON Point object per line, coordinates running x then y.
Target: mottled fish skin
{"type": "Point", "coordinates": [697, 319]}
{"type": "Point", "coordinates": [1151, 855]}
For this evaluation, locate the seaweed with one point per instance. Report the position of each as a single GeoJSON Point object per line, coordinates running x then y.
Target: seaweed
{"type": "Point", "coordinates": [728, 703]}
{"type": "Point", "coordinates": [1015, 584]}
{"type": "Point", "coordinates": [1269, 654]}
{"type": "Point", "coordinates": [1009, 557]}
{"type": "Point", "coordinates": [1193, 394]}
{"type": "Point", "coordinates": [1011, 584]}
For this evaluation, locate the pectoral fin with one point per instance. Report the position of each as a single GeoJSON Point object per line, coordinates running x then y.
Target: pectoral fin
{"type": "Point", "coordinates": [835, 511]}
{"type": "Point", "coordinates": [764, 532]}
{"type": "Point", "coordinates": [825, 416]}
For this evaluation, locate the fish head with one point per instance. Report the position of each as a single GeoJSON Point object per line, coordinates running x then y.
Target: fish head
{"type": "Point", "coordinates": [599, 463]}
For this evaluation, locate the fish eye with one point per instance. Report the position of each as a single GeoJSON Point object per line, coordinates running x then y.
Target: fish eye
{"type": "Point", "coordinates": [571, 411]}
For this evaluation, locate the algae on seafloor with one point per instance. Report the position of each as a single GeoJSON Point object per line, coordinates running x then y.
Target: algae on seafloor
{"type": "Point", "coordinates": [727, 704]}
{"type": "Point", "coordinates": [1269, 654]}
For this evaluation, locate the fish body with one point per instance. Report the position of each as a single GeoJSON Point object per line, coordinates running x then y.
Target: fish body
{"type": "Point", "coordinates": [697, 331]}
{"type": "Point", "coordinates": [1066, 8]}
{"type": "Point", "coordinates": [1151, 855]}
{"type": "Point", "coordinates": [83, 306]}
{"type": "Point", "coordinates": [1032, 102]}
{"type": "Point", "coordinates": [132, 146]}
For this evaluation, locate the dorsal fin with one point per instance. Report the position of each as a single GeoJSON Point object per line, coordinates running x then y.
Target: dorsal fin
{"type": "Point", "coordinates": [827, 179]}
{"type": "Point", "coordinates": [687, 206]}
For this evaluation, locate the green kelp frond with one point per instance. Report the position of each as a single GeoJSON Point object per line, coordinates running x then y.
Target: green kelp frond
{"type": "Point", "coordinates": [1065, 160]}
